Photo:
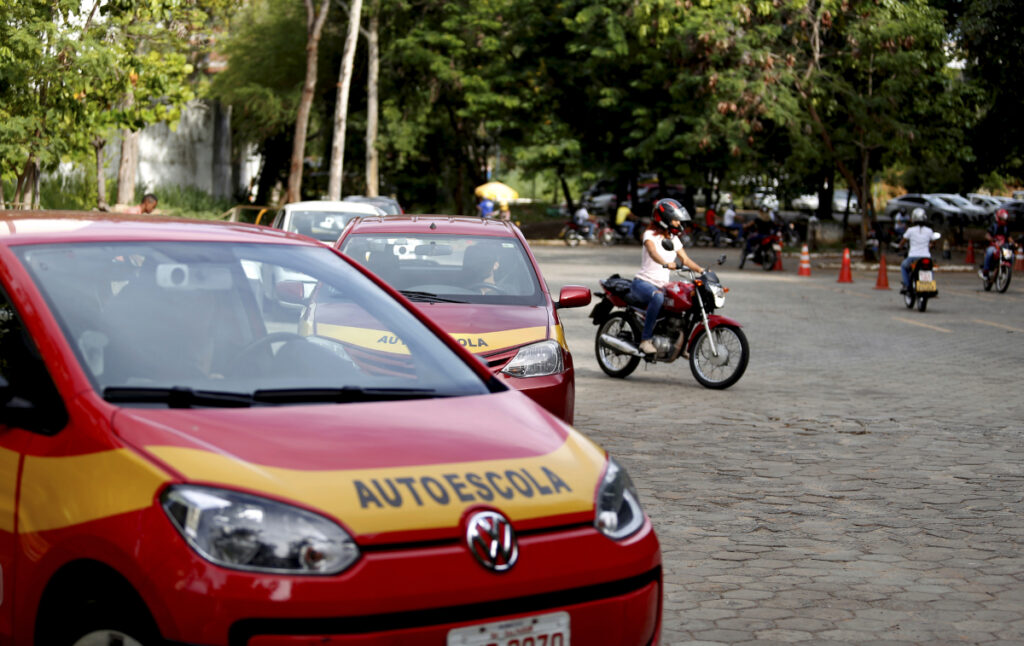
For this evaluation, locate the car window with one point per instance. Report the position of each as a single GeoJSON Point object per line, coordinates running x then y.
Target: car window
{"type": "Point", "coordinates": [233, 318]}
{"type": "Point", "coordinates": [469, 269]}
{"type": "Point", "coordinates": [325, 226]}
{"type": "Point", "coordinates": [26, 385]}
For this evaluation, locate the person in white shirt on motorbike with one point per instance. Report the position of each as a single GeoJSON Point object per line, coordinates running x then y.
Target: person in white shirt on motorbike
{"type": "Point", "coordinates": [920, 237]}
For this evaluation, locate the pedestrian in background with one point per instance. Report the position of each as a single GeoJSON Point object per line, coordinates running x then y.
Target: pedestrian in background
{"type": "Point", "coordinates": [504, 213]}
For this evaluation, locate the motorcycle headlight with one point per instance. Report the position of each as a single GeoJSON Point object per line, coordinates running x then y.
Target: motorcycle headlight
{"type": "Point", "coordinates": [719, 293]}
{"type": "Point", "coordinates": [536, 360]}
{"type": "Point", "coordinates": [246, 532]}
{"type": "Point", "coordinates": [1007, 253]}
{"type": "Point", "coordinates": [619, 514]}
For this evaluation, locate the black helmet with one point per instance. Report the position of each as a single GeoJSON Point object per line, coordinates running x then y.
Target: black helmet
{"type": "Point", "coordinates": [667, 210]}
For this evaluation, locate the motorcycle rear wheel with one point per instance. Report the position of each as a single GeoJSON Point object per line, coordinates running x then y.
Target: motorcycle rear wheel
{"type": "Point", "coordinates": [922, 303]}
{"type": "Point", "coordinates": [909, 298]}
{"type": "Point", "coordinates": [614, 363]}
{"type": "Point", "coordinates": [725, 369]}
{"type": "Point", "coordinates": [1003, 279]}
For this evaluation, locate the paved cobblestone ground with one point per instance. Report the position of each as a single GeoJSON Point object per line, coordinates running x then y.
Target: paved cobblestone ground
{"type": "Point", "coordinates": [863, 483]}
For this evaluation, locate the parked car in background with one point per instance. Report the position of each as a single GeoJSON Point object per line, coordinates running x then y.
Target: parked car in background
{"type": "Point", "coordinates": [806, 202]}
{"type": "Point", "coordinates": [321, 219]}
{"type": "Point", "coordinates": [987, 202]}
{"type": "Point", "coordinates": [479, 281]}
{"type": "Point", "coordinates": [1015, 213]}
{"type": "Point", "coordinates": [843, 197]}
{"type": "Point", "coordinates": [389, 205]}
{"type": "Point", "coordinates": [179, 467]}
{"type": "Point", "coordinates": [974, 213]}
{"type": "Point", "coordinates": [761, 196]}
{"type": "Point", "coordinates": [940, 212]}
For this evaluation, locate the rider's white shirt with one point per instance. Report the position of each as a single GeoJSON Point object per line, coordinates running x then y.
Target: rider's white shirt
{"type": "Point", "coordinates": [652, 271]}
{"type": "Point", "coordinates": [919, 238]}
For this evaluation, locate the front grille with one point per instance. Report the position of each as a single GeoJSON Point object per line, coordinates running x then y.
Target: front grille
{"type": "Point", "coordinates": [245, 629]}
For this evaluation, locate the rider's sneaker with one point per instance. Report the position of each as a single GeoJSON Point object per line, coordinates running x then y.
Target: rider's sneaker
{"type": "Point", "coordinates": [982, 275]}
{"type": "Point", "coordinates": [647, 347]}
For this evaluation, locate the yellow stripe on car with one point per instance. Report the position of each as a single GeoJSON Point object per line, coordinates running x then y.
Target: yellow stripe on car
{"type": "Point", "coordinates": [418, 497]}
{"type": "Point", "coordinates": [477, 342]}
{"type": "Point", "coordinates": [62, 491]}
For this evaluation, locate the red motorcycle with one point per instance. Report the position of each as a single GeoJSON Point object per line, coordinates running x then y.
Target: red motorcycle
{"type": "Point", "coordinates": [1002, 273]}
{"type": "Point", "coordinates": [687, 326]}
{"type": "Point", "coordinates": [766, 251]}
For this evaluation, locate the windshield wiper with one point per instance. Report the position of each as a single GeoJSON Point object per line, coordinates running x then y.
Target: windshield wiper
{"type": "Point", "coordinates": [176, 397]}
{"type": "Point", "coordinates": [426, 297]}
{"type": "Point", "coordinates": [340, 395]}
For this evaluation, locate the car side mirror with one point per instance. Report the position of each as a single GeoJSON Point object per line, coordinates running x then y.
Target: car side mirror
{"type": "Point", "coordinates": [573, 296]}
{"type": "Point", "coordinates": [290, 291]}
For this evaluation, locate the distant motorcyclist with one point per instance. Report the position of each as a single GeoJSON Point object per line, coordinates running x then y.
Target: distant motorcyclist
{"type": "Point", "coordinates": [761, 226]}
{"type": "Point", "coordinates": [657, 263]}
{"type": "Point", "coordinates": [1000, 227]}
{"type": "Point", "coordinates": [919, 236]}
{"type": "Point", "coordinates": [581, 217]}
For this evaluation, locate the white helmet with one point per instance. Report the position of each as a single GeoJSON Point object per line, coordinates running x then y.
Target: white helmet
{"type": "Point", "coordinates": [918, 216]}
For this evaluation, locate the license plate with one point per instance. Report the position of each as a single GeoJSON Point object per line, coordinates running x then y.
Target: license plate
{"type": "Point", "coordinates": [927, 286]}
{"type": "Point", "coordinates": [551, 629]}
{"type": "Point", "coordinates": [924, 276]}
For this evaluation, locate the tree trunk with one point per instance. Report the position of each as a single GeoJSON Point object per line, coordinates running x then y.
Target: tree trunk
{"type": "Point", "coordinates": [99, 145]}
{"type": "Point", "coordinates": [372, 101]}
{"type": "Point", "coordinates": [25, 195]}
{"type": "Point", "coordinates": [314, 26]}
{"type": "Point", "coordinates": [568, 195]}
{"type": "Point", "coordinates": [2, 204]}
{"type": "Point", "coordinates": [341, 106]}
{"type": "Point", "coordinates": [126, 169]}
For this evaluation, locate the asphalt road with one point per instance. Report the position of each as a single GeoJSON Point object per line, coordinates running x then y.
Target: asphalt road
{"type": "Point", "coordinates": [862, 483]}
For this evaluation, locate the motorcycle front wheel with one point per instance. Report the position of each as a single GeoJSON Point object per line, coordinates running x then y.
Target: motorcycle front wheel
{"type": "Point", "coordinates": [571, 237]}
{"type": "Point", "coordinates": [614, 363]}
{"type": "Point", "coordinates": [768, 259]}
{"type": "Point", "coordinates": [728, 366]}
{"type": "Point", "coordinates": [1003, 279]}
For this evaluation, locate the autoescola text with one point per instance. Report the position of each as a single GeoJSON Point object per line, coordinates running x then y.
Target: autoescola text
{"type": "Point", "coordinates": [459, 487]}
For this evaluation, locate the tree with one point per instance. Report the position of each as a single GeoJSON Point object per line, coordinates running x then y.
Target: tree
{"type": "Point", "coordinates": [341, 106]}
{"type": "Point", "coordinates": [315, 19]}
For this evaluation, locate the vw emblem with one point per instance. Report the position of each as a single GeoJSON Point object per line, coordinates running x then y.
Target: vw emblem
{"type": "Point", "coordinates": [491, 540]}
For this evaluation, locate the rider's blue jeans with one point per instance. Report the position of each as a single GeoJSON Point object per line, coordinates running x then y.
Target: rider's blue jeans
{"type": "Point", "coordinates": [654, 296]}
{"type": "Point", "coordinates": [905, 269]}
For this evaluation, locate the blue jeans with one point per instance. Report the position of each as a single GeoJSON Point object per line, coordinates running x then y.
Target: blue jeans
{"type": "Point", "coordinates": [905, 268]}
{"type": "Point", "coordinates": [626, 228]}
{"type": "Point", "coordinates": [654, 296]}
{"type": "Point", "coordinates": [990, 257]}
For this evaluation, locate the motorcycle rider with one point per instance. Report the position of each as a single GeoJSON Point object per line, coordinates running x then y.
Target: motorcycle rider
{"type": "Point", "coordinates": [657, 262]}
{"type": "Point", "coordinates": [761, 226]}
{"type": "Point", "coordinates": [919, 235]}
{"type": "Point", "coordinates": [999, 228]}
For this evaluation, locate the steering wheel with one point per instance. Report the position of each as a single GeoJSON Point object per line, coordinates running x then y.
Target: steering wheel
{"type": "Point", "coordinates": [243, 355]}
{"type": "Point", "coordinates": [488, 286]}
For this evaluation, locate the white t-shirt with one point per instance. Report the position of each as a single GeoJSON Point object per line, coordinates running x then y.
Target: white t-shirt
{"type": "Point", "coordinates": [729, 217]}
{"type": "Point", "coordinates": [652, 271]}
{"type": "Point", "coordinates": [919, 237]}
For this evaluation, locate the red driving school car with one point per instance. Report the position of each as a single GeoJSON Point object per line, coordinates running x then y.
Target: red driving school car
{"type": "Point", "coordinates": [478, 280]}
{"type": "Point", "coordinates": [183, 460]}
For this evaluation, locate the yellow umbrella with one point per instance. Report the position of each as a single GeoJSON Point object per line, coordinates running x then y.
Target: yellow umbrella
{"type": "Point", "coordinates": [496, 191]}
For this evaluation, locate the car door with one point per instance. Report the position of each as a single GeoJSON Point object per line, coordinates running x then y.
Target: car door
{"type": "Point", "coordinates": [30, 408]}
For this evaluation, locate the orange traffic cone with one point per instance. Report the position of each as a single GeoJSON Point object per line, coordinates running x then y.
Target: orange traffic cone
{"type": "Point", "coordinates": [845, 275]}
{"type": "Point", "coordinates": [970, 253]}
{"type": "Point", "coordinates": [805, 262]}
{"type": "Point", "coordinates": [883, 274]}
{"type": "Point", "coordinates": [778, 262]}
{"type": "Point", "coordinates": [1018, 263]}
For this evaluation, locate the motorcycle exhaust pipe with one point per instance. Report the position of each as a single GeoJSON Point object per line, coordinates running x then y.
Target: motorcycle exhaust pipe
{"type": "Point", "coordinates": [624, 347]}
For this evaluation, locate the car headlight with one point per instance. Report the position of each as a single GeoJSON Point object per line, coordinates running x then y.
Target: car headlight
{"type": "Point", "coordinates": [618, 505]}
{"type": "Point", "coordinates": [246, 532]}
{"type": "Point", "coordinates": [536, 360]}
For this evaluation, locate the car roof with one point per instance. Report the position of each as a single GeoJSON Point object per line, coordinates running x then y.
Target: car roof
{"type": "Point", "coordinates": [39, 227]}
{"type": "Point", "coordinates": [433, 224]}
{"type": "Point", "coordinates": [334, 206]}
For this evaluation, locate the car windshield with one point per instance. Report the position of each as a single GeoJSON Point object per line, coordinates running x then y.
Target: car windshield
{"type": "Point", "coordinates": [940, 201]}
{"type": "Point", "coordinates": [955, 199]}
{"type": "Point", "coordinates": [325, 226]}
{"type": "Point", "coordinates": [183, 317]}
{"type": "Point", "coordinates": [465, 269]}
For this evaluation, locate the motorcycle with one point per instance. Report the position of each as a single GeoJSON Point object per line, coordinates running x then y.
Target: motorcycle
{"type": "Point", "coordinates": [1003, 272]}
{"type": "Point", "coordinates": [687, 327]}
{"type": "Point", "coordinates": [706, 238]}
{"type": "Point", "coordinates": [922, 285]}
{"type": "Point", "coordinates": [574, 233]}
{"type": "Point", "coordinates": [609, 234]}
{"type": "Point", "coordinates": [766, 252]}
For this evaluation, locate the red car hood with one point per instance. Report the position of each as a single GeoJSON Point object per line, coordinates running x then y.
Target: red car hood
{"type": "Point", "coordinates": [486, 328]}
{"type": "Point", "coordinates": [384, 468]}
